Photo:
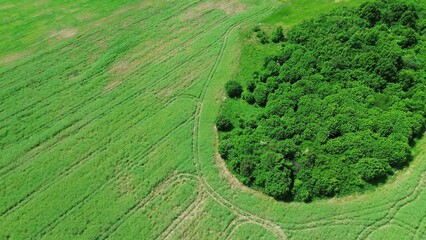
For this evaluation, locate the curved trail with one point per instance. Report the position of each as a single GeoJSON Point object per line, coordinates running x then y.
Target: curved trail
{"type": "Point", "coordinates": [197, 161]}
{"type": "Point", "coordinates": [80, 163]}
{"type": "Point", "coordinates": [230, 228]}
{"type": "Point", "coordinates": [191, 212]}
{"type": "Point", "coordinates": [110, 180]}
{"type": "Point", "coordinates": [367, 231]}
{"type": "Point", "coordinates": [420, 229]}
{"type": "Point", "coordinates": [237, 224]}
{"type": "Point", "coordinates": [155, 192]}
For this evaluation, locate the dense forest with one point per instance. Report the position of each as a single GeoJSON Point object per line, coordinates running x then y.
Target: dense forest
{"type": "Point", "coordinates": [338, 105]}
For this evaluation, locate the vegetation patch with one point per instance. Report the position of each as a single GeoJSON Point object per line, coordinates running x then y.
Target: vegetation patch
{"type": "Point", "coordinates": [335, 109]}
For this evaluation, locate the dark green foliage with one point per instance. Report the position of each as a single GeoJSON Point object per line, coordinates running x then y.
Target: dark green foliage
{"type": "Point", "coordinates": [278, 183]}
{"type": "Point", "coordinates": [233, 89]}
{"type": "Point", "coordinates": [370, 11]}
{"type": "Point", "coordinates": [372, 169]}
{"type": "Point", "coordinates": [251, 85]}
{"type": "Point", "coordinates": [223, 123]}
{"type": "Point", "coordinates": [337, 106]}
{"type": "Point", "coordinates": [278, 35]}
{"type": "Point", "coordinates": [256, 28]}
{"type": "Point", "coordinates": [260, 95]}
{"type": "Point", "coordinates": [248, 96]}
{"type": "Point", "coordinates": [263, 37]}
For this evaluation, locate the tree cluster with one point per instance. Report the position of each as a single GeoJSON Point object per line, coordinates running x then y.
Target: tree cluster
{"type": "Point", "coordinates": [340, 104]}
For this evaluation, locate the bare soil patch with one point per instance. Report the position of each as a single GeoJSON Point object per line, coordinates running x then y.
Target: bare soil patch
{"type": "Point", "coordinates": [63, 34]}
{"type": "Point", "coordinates": [111, 85]}
{"type": "Point", "coordinates": [13, 57]}
{"type": "Point", "coordinates": [7, 6]}
{"type": "Point", "coordinates": [85, 16]}
{"type": "Point", "coordinates": [121, 67]}
{"type": "Point", "coordinates": [228, 7]}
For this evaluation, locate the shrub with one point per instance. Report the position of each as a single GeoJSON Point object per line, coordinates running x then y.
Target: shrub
{"type": "Point", "coordinates": [263, 37]}
{"type": "Point", "coordinates": [372, 169]}
{"type": "Point", "coordinates": [233, 89]}
{"type": "Point", "coordinates": [260, 95]}
{"type": "Point", "coordinates": [256, 28]}
{"type": "Point", "coordinates": [223, 123]}
{"type": "Point", "coordinates": [278, 35]}
{"type": "Point", "coordinates": [278, 183]}
{"type": "Point", "coordinates": [248, 96]}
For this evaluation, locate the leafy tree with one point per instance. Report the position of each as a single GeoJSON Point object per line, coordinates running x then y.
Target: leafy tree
{"type": "Point", "coordinates": [278, 183]}
{"type": "Point", "coordinates": [223, 123]}
{"type": "Point", "coordinates": [248, 96]}
{"type": "Point", "coordinates": [372, 169]}
{"type": "Point", "coordinates": [251, 85]}
{"type": "Point", "coordinates": [409, 18]}
{"type": "Point", "coordinates": [278, 35]}
{"type": "Point", "coordinates": [233, 89]}
{"type": "Point", "coordinates": [273, 68]}
{"type": "Point", "coordinates": [225, 148]}
{"type": "Point", "coordinates": [387, 69]}
{"type": "Point", "coordinates": [263, 37]}
{"type": "Point", "coordinates": [370, 11]}
{"type": "Point", "coordinates": [261, 95]}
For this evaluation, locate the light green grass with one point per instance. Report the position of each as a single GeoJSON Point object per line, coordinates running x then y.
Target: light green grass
{"type": "Point", "coordinates": [97, 125]}
{"type": "Point", "coordinates": [295, 11]}
{"type": "Point", "coordinates": [246, 231]}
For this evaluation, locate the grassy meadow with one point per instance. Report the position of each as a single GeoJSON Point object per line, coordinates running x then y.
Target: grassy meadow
{"type": "Point", "coordinates": [106, 128]}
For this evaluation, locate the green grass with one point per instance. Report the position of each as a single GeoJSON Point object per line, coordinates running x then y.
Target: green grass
{"type": "Point", "coordinates": [251, 231]}
{"type": "Point", "coordinates": [99, 124]}
{"type": "Point", "coordinates": [293, 12]}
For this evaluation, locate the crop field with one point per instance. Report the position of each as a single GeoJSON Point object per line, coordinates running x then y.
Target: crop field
{"type": "Point", "coordinates": [107, 112]}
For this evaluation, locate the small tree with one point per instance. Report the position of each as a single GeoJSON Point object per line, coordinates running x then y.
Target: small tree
{"type": "Point", "coordinates": [263, 37]}
{"type": "Point", "coordinates": [248, 96]}
{"type": "Point", "coordinates": [260, 95]}
{"type": "Point", "coordinates": [256, 28]}
{"type": "Point", "coordinates": [370, 11]}
{"type": "Point", "coordinates": [278, 183]}
{"type": "Point", "coordinates": [372, 169]}
{"type": "Point", "coordinates": [223, 123]}
{"type": "Point", "coordinates": [233, 89]}
{"type": "Point", "coordinates": [251, 85]}
{"type": "Point", "coordinates": [278, 35]}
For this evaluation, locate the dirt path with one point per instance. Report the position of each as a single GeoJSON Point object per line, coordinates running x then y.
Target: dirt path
{"type": "Point", "coordinates": [190, 213]}
{"type": "Point", "coordinates": [269, 225]}
{"type": "Point", "coordinates": [367, 231]}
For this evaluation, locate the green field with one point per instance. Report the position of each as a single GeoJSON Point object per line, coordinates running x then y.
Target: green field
{"type": "Point", "coordinates": [106, 128]}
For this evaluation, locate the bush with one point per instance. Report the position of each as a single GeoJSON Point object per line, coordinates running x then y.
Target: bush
{"type": "Point", "coordinates": [263, 37]}
{"type": "Point", "coordinates": [233, 89]}
{"type": "Point", "coordinates": [260, 95]}
{"type": "Point", "coordinates": [256, 28]}
{"type": "Point", "coordinates": [248, 96]}
{"type": "Point", "coordinates": [251, 85]}
{"type": "Point", "coordinates": [372, 169]}
{"type": "Point", "coordinates": [278, 35]}
{"type": "Point", "coordinates": [278, 183]}
{"type": "Point", "coordinates": [370, 11]}
{"type": "Point", "coordinates": [223, 123]}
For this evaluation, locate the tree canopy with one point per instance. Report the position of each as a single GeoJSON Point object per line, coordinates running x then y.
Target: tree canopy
{"type": "Point", "coordinates": [338, 105]}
